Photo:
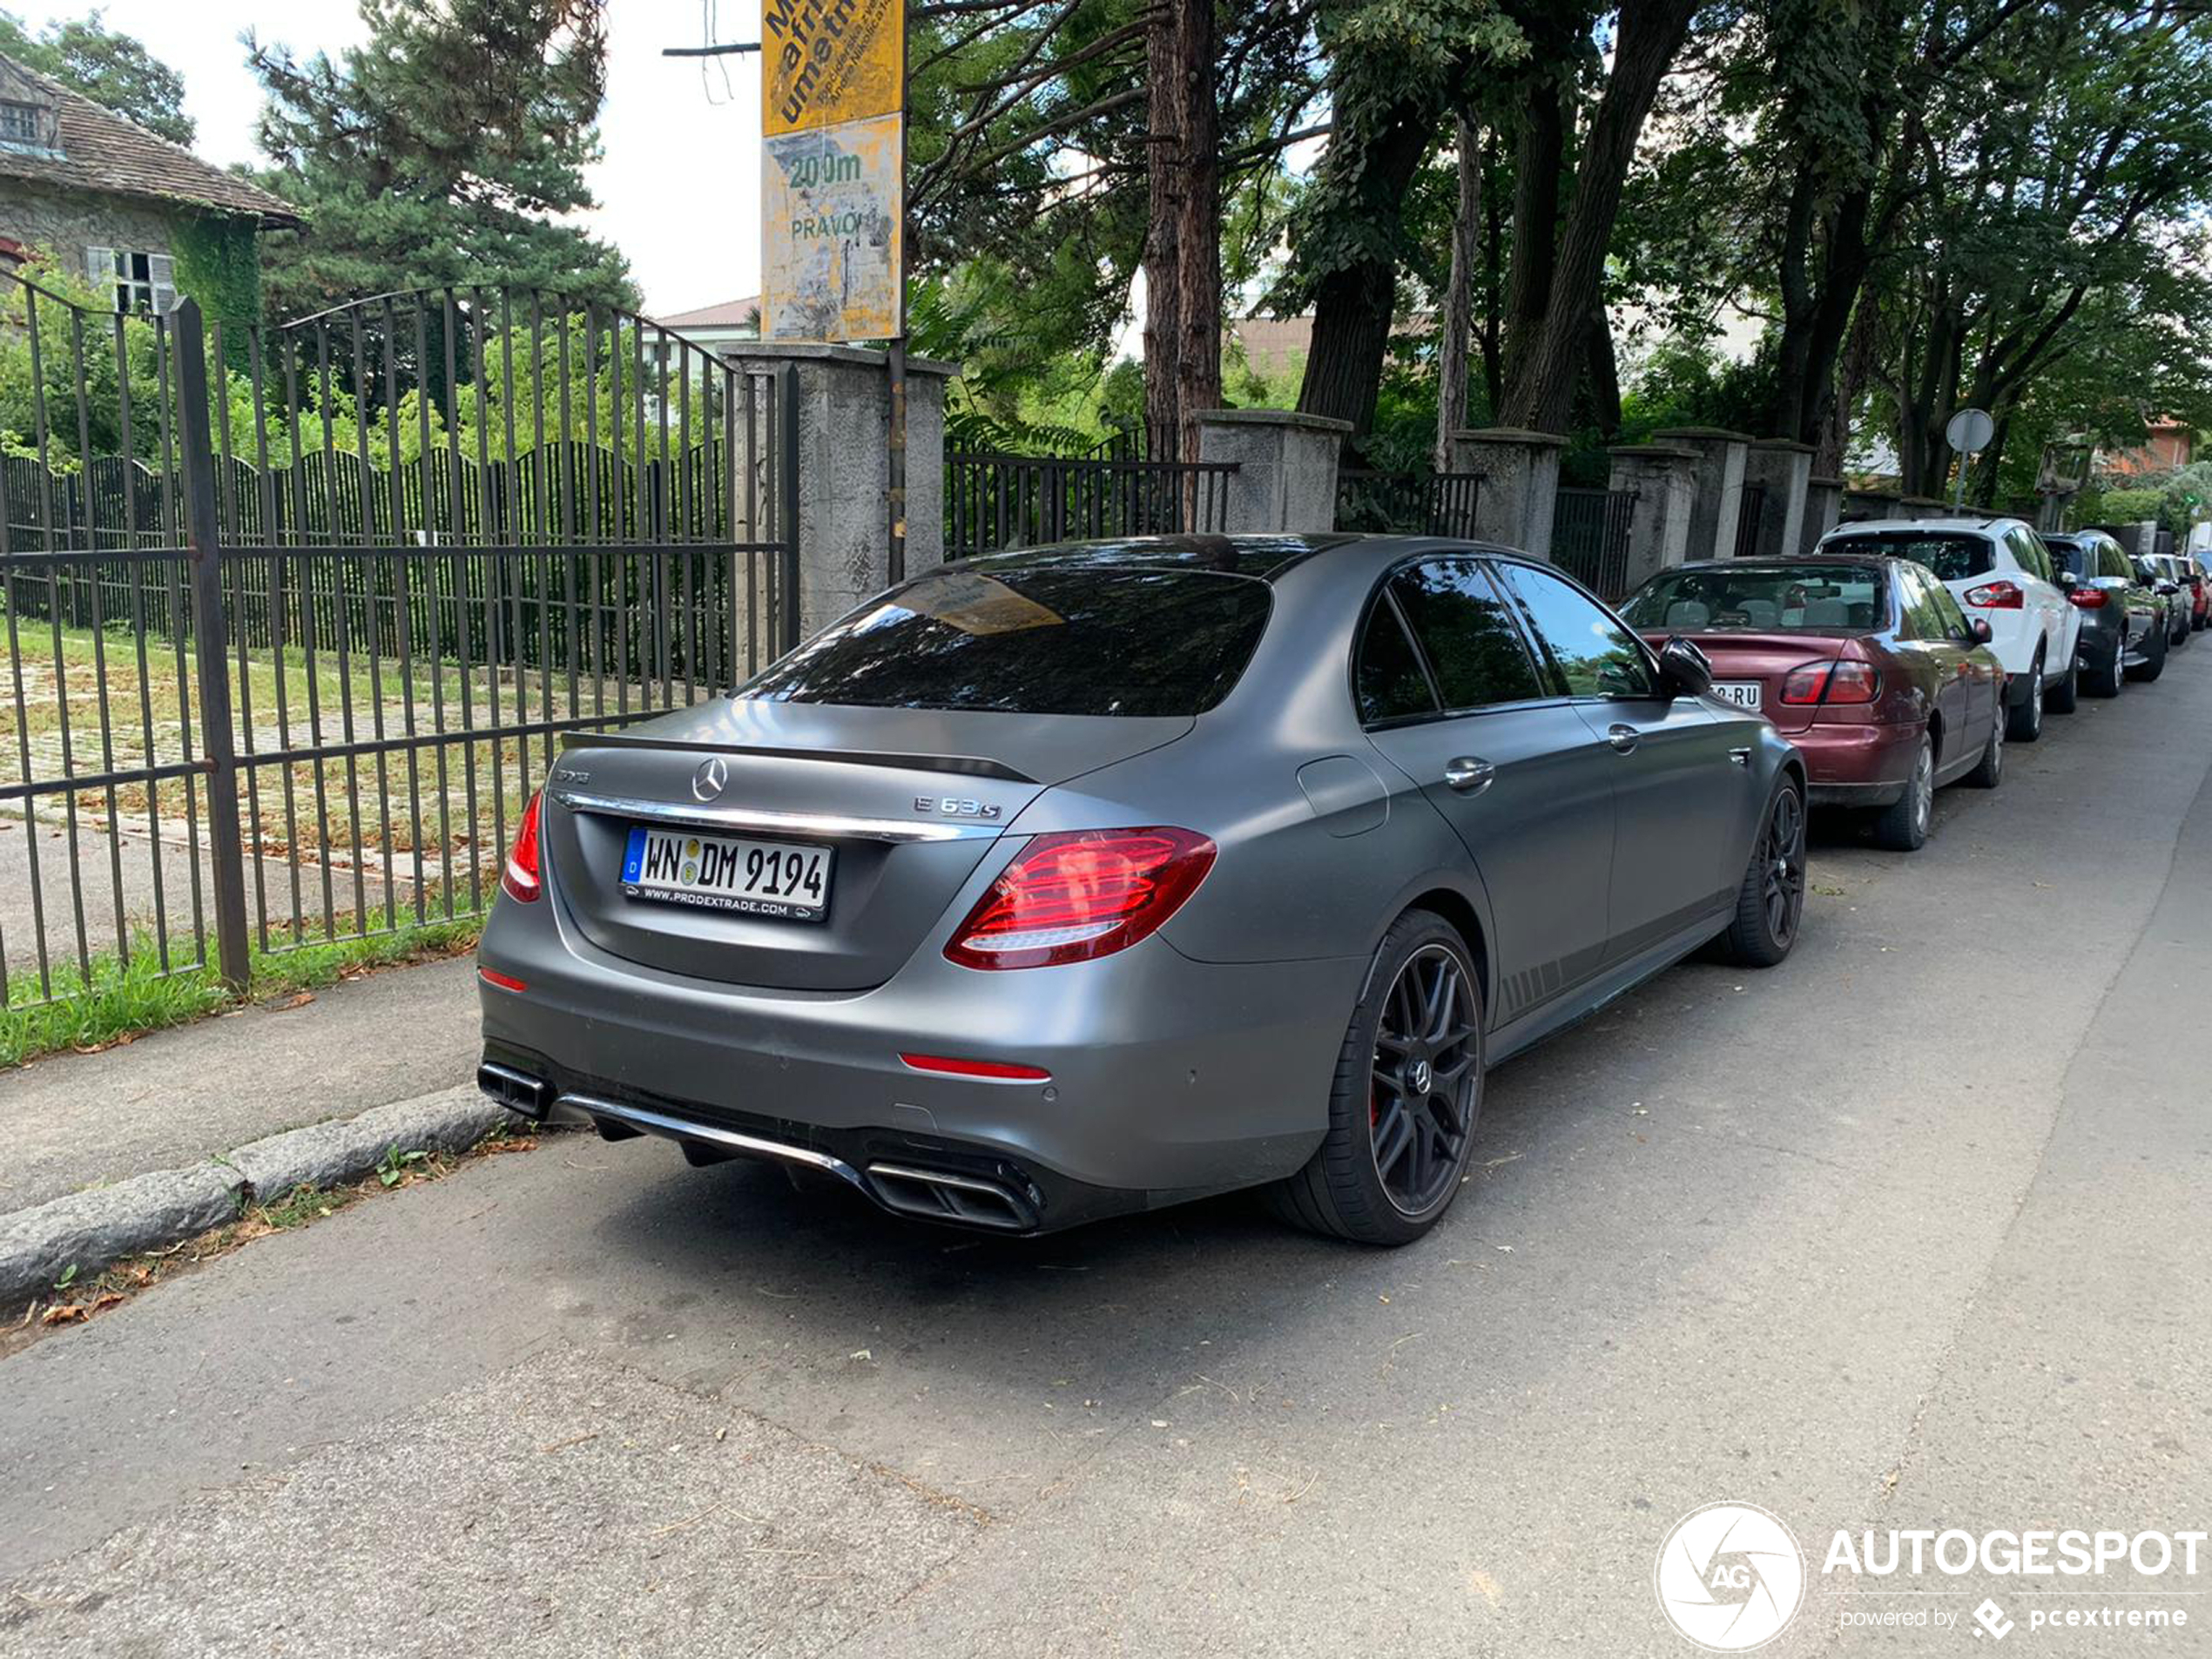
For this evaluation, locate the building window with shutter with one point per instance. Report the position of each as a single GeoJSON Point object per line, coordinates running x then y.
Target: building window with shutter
{"type": "Point", "coordinates": [142, 281]}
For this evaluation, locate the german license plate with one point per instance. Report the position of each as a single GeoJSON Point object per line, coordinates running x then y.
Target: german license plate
{"type": "Point", "coordinates": [1743, 693]}
{"type": "Point", "coordinates": [721, 873]}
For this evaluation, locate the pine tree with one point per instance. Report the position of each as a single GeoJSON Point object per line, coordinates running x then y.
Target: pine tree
{"type": "Point", "coordinates": [449, 148]}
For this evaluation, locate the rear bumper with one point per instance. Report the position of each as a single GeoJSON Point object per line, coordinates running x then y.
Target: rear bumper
{"type": "Point", "coordinates": [1857, 765]}
{"type": "Point", "coordinates": [1168, 1078]}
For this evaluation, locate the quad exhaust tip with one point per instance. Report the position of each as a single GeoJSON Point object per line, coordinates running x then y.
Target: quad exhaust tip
{"type": "Point", "coordinates": [937, 1195]}
{"type": "Point", "coordinates": [516, 1090]}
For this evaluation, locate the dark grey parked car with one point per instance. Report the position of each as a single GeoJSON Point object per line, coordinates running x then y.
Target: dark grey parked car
{"type": "Point", "coordinates": [2123, 618]}
{"type": "Point", "coordinates": [1095, 878]}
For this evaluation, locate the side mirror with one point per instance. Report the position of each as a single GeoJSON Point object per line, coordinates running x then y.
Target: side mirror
{"type": "Point", "coordinates": [1684, 671]}
{"type": "Point", "coordinates": [2068, 581]}
{"type": "Point", "coordinates": [1980, 628]}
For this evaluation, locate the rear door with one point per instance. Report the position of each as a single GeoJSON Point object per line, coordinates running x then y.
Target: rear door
{"type": "Point", "coordinates": [2058, 620]}
{"type": "Point", "coordinates": [1680, 797]}
{"type": "Point", "coordinates": [1929, 636]}
{"type": "Point", "coordinates": [1466, 716]}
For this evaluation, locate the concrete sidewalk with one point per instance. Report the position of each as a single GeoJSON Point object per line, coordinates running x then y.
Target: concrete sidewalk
{"type": "Point", "coordinates": [176, 1097]}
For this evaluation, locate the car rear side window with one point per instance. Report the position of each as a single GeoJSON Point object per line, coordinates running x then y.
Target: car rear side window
{"type": "Point", "coordinates": [1132, 642]}
{"type": "Point", "coordinates": [1387, 677]}
{"type": "Point", "coordinates": [1466, 633]}
{"type": "Point", "coordinates": [2112, 560]}
{"type": "Point", "coordinates": [1595, 655]}
{"type": "Point", "coordinates": [1954, 558]}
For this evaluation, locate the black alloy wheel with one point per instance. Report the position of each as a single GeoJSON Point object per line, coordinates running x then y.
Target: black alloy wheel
{"type": "Point", "coordinates": [1783, 852]}
{"type": "Point", "coordinates": [1420, 1109]}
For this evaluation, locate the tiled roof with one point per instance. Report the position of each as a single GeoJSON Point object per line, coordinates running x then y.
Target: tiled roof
{"type": "Point", "coordinates": [102, 150]}
{"type": "Point", "coordinates": [731, 314]}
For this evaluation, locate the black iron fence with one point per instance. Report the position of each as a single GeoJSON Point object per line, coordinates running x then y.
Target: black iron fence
{"type": "Point", "coordinates": [1432, 503]}
{"type": "Point", "coordinates": [296, 620]}
{"type": "Point", "coordinates": [995, 501]}
{"type": "Point", "coordinates": [1751, 520]}
{"type": "Point", "coordinates": [1590, 538]}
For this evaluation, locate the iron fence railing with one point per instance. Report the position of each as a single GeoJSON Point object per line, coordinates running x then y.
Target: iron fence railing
{"type": "Point", "coordinates": [295, 620]}
{"type": "Point", "coordinates": [1434, 503]}
{"type": "Point", "coordinates": [1590, 538]}
{"type": "Point", "coordinates": [1751, 519]}
{"type": "Point", "coordinates": [995, 501]}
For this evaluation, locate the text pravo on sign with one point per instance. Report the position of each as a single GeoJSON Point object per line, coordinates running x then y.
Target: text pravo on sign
{"type": "Point", "coordinates": [833, 195]}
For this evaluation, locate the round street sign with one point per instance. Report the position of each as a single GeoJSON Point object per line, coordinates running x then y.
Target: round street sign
{"type": "Point", "coordinates": [1970, 431]}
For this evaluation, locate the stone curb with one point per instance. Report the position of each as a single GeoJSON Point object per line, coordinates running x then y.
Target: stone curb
{"type": "Point", "coordinates": [91, 1229]}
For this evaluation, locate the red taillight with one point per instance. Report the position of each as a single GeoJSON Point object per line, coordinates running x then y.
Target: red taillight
{"type": "Point", "coordinates": [1076, 894]}
{"type": "Point", "coordinates": [2088, 599]}
{"type": "Point", "coordinates": [505, 981]}
{"type": "Point", "coordinates": [1838, 682]}
{"type": "Point", "coordinates": [999, 1070]}
{"type": "Point", "coordinates": [521, 881]}
{"type": "Point", "coordinates": [1997, 595]}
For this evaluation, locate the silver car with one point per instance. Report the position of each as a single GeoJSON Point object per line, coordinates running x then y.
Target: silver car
{"type": "Point", "coordinates": [1096, 878]}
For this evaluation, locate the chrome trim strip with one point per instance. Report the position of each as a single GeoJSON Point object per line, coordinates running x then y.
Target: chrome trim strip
{"type": "Point", "coordinates": [936, 1178]}
{"type": "Point", "coordinates": [688, 1129]}
{"type": "Point", "coordinates": [829, 826]}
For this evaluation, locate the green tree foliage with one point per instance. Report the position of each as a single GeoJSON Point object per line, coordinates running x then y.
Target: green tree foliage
{"type": "Point", "coordinates": [450, 148]}
{"type": "Point", "coordinates": [110, 68]}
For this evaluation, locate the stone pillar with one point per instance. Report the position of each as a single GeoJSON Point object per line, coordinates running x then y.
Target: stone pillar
{"type": "Point", "coordinates": [1520, 490]}
{"type": "Point", "coordinates": [843, 437]}
{"type": "Point", "coordinates": [1664, 478]}
{"type": "Point", "coordinates": [1287, 468]}
{"type": "Point", "coordinates": [1784, 470]}
{"type": "Point", "coordinates": [1862, 505]}
{"type": "Point", "coordinates": [1824, 506]}
{"type": "Point", "coordinates": [1720, 485]}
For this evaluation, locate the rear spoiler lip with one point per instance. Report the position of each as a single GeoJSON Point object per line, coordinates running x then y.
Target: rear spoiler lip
{"type": "Point", "coordinates": [963, 765]}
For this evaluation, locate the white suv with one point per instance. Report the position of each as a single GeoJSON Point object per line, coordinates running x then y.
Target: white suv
{"type": "Point", "coordinates": [2000, 571]}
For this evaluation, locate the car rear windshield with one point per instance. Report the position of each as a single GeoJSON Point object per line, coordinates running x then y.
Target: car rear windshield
{"type": "Point", "coordinates": [1131, 642]}
{"type": "Point", "coordinates": [2068, 555]}
{"type": "Point", "coordinates": [1811, 597]}
{"type": "Point", "coordinates": [1954, 558]}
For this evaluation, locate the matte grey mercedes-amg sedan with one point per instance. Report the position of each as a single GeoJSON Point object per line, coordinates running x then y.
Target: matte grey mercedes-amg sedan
{"type": "Point", "coordinates": [1095, 878]}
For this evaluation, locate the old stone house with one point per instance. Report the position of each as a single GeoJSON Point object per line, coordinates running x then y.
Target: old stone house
{"type": "Point", "coordinates": [133, 213]}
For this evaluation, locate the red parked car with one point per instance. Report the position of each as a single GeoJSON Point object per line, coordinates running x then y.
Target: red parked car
{"type": "Point", "coordinates": [1866, 664]}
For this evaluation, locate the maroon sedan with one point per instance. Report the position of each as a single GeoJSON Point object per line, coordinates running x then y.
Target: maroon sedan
{"type": "Point", "coordinates": [1866, 664]}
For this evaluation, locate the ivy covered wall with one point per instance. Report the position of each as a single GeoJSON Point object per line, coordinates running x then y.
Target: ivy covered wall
{"type": "Point", "coordinates": [218, 264]}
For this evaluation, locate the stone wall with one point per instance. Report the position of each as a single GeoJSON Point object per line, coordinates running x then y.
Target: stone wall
{"type": "Point", "coordinates": [67, 222]}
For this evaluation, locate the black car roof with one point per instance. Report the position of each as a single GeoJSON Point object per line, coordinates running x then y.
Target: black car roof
{"type": "Point", "coordinates": [1264, 556]}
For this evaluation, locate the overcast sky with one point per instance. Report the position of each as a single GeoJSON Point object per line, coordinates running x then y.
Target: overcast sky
{"type": "Point", "coordinates": [679, 190]}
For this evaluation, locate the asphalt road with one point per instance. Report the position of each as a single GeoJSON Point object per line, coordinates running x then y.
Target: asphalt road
{"type": "Point", "coordinates": [1909, 1233]}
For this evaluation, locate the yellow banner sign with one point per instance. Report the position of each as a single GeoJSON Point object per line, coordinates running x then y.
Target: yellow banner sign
{"type": "Point", "coordinates": [831, 256]}
{"type": "Point", "coordinates": [829, 61]}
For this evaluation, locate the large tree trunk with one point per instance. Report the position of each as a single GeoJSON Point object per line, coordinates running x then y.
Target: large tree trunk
{"type": "Point", "coordinates": [1197, 296]}
{"type": "Point", "coordinates": [1540, 391]}
{"type": "Point", "coordinates": [1182, 240]}
{"type": "Point", "coordinates": [1493, 371]}
{"type": "Point", "coordinates": [1537, 160]}
{"type": "Point", "coordinates": [1455, 351]}
{"type": "Point", "coordinates": [1352, 305]}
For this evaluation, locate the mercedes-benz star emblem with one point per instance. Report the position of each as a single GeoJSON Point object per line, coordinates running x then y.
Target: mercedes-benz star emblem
{"type": "Point", "coordinates": [710, 779]}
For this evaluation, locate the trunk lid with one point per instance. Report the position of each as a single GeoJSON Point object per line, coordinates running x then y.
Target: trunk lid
{"type": "Point", "coordinates": [1766, 660]}
{"type": "Point", "coordinates": [908, 802]}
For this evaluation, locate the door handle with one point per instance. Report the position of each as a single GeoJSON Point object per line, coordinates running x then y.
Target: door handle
{"type": "Point", "coordinates": [1624, 738]}
{"type": "Point", "coordinates": [1468, 774]}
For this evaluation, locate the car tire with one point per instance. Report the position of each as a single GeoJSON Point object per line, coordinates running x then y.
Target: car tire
{"type": "Point", "coordinates": [2107, 682]}
{"type": "Point", "coordinates": [2066, 691]}
{"type": "Point", "coordinates": [1393, 1047]}
{"type": "Point", "coordinates": [1771, 900]}
{"type": "Point", "coordinates": [1903, 825]}
{"type": "Point", "coordinates": [2154, 667]}
{"type": "Point", "coordinates": [2025, 717]}
{"type": "Point", "coordinates": [1989, 770]}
